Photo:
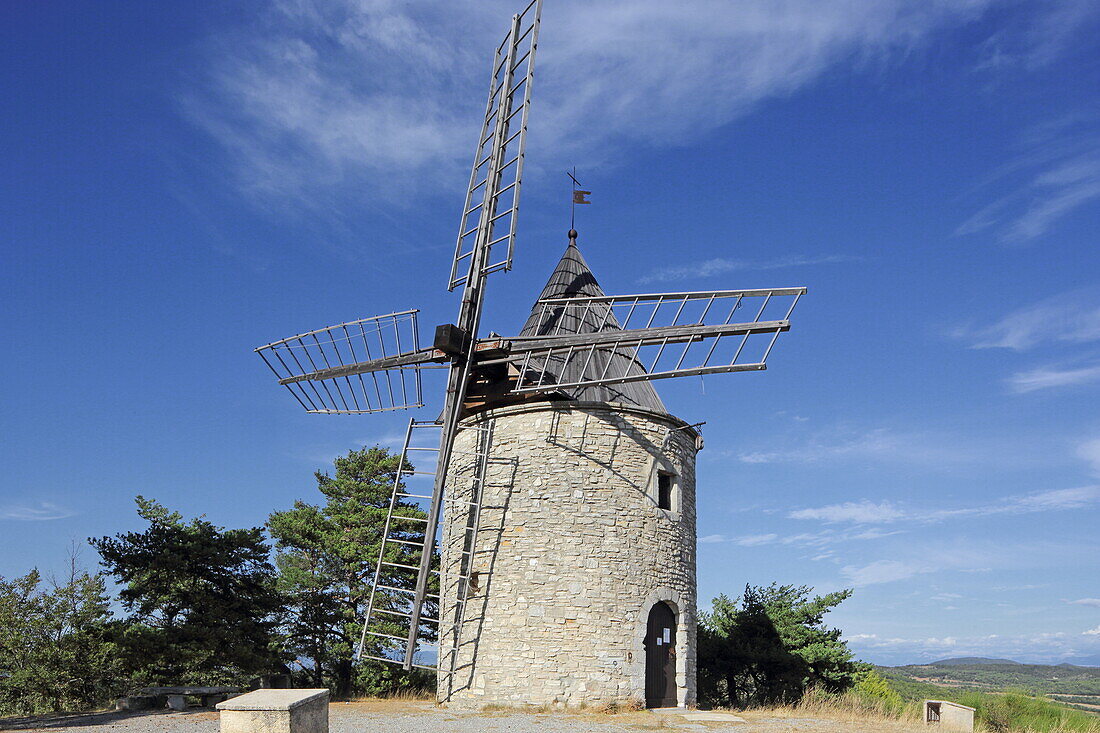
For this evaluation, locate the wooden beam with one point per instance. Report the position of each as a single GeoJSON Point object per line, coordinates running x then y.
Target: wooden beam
{"type": "Point", "coordinates": [647, 336]}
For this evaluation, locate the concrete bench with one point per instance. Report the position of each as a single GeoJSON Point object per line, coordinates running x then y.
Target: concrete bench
{"type": "Point", "coordinates": [174, 697]}
{"type": "Point", "coordinates": [276, 711]}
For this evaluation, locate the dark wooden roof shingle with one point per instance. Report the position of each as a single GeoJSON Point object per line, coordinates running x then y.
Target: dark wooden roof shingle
{"type": "Point", "coordinates": [572, 278]}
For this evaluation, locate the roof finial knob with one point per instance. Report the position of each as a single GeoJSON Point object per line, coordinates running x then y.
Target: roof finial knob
{"type": "Point", "coordinates": [572, 236]}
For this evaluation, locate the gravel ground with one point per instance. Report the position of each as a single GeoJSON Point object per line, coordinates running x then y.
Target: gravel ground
{"type": "Point", "coordinates": [422, 717]}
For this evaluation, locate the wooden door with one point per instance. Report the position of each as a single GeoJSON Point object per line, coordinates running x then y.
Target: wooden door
{"type": "Point", "coordinates": [660, 657]}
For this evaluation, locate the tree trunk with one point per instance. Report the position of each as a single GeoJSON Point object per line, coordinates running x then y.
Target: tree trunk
{"type": "Point", "coordinates": [343, 678]}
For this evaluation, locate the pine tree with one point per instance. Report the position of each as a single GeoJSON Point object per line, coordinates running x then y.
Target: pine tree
{"type": "Point", "coordinates": [326, 556]}
{"type": "Point", "coordinates": [770, 645]}
{"type": "Point", "coordinates": [202, 600]}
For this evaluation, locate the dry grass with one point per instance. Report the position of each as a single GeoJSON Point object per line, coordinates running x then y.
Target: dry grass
{"type": "Point", "coordinates": [395, 702]}
{"type": "Point", "coordinates": [400, 696]}
{"type": "Point", "coordinates": [857, 712]}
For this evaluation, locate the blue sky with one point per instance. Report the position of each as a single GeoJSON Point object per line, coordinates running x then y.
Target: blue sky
{"type": "Point", "coordinates": [183, 182]}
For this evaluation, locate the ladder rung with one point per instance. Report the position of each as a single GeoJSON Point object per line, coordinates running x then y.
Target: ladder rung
{"type": "Point", "coordinates": [398, 661]}
{"type": "Point", "coordinates": [509, 211]}
{"type": "Point", "coordinates": [499, 239]}
{"type": "Point", "coordinates": [411, 519]}
{"type": "Point", "coordinates": [404, 542]}
{"type": "Point", "coordinates": [429, 619]}
{"type": "Point", "coordinates": [399, 565]}
{"type": "Point", "coordinates": [387, 636]}
{"type": "Point", "coordinates": [392, 613]}
{"type": "Point", "coordinates": [449, 501]}
{"type": "Point", "coordinates": [406, 590]}
{"type": "Point", "coordinates": [457, 501]}
{"type": "Point", "coordinates": [382, 659]}
{"type": "Point", "coordinates": [399, 590]}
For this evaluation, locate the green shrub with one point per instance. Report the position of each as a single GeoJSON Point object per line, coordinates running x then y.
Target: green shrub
{"type": "Point", "coordinates": [1015, 711]}
{"type": "Point", "coordinates": [875, 690]}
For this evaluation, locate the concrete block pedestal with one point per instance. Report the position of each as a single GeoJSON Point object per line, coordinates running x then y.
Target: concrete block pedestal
{"type": "Point", "coordinates": [949, 715]}
{"type": "Point", "coordinates": [276, 711]}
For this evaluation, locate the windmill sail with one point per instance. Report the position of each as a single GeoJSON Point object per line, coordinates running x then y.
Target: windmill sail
{"type": "Point", "coordinates": [614, 355]}
{"type": "Point", "coordinates": [318, 367]}
{"type": "Point", "coordinates": [492, 197]}
{"type": "Point", "coordinates": [573, 281]}
{"type": "Point", "coordinates": [597, 347]}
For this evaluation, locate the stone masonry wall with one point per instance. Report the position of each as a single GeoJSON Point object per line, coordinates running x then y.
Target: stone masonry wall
{"type": "Point", "coordinates": [571, 553]}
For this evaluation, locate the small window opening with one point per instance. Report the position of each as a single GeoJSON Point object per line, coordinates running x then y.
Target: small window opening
{"type": "Point", "coordinates": [664, 490]}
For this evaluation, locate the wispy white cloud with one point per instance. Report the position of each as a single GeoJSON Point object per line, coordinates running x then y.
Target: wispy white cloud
{"type": "Point", "coordinates": [820, 540]}
{"type": "Point", "coordinates": [960, 556]}
{"type": "Point", "coordinates": [387, 94]}
{"type": "Point", "coordinates": [43, 511]}
{"type": "Point", "coordinates": [831, 444]}
{"type": "Point", "coordinates": [1050, 377]}
{"type": "Point", "coordinates": [864, 512]}
{"type": "Point", "coordinates": [1094, 602]}
{"type": "Point", "coordinates": [868, 512]}
{"type": "Point", "coordinates": [1042, 501]}
{"type": "Point", "coordinates": [756, 539]}
{"type": "Point", "coordinates": [1056, 172]}
{"type": "Point", "coordinates": [1052, 32]}
{"type": "Point", "coordinates": [883, 571]}
{"type": "Point", "coordinates": [1090, 451]}
{"type": "Point", "coordinates": [1072, 317]}
{"type": "Point", "coordinates": [1017, 587]}
{"type": "Point", "coordinates": [1043, 647]}
{"type": "Point", "coordinates": [935, 450]}
{"type": "Point", "coordinates": [719, 265]}
{"type": "Point", "coordinates": [1092, 632]}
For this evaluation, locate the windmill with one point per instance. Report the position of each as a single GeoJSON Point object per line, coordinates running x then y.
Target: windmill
{"type": "Point", "coordinates": [579, 350]}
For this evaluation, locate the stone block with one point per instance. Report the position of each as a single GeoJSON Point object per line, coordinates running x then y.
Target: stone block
{"type": "Point", "coordinates": [276, 711]}
{"type": "Point", "coordinates": [177, 702]}
{"type": "Point", "coordinates": [135, 702]}
{"type": "Point", "coordinates": [949, 715]}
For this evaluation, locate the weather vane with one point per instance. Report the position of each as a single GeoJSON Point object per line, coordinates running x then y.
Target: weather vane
{"type": "Point", "coordinates": [578, 198]}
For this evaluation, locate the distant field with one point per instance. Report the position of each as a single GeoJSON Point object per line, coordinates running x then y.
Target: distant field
{"type": "Point", "coordinates": [918, 680]}
{"type": "Point", "coordinates": [989, 686]}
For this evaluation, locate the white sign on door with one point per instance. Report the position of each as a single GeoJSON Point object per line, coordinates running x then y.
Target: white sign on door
{"type": "Point", "coordinates": [668, 636]}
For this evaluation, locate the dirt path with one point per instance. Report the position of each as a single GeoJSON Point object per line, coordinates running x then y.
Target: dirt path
{"type": "Point", "coordinates": [422, 717]}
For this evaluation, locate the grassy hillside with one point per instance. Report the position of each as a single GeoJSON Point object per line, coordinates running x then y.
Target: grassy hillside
{"type": "Point", "coordinates": [1040, 679]}
{"type": "Point", "coordinates": [1008, 695]}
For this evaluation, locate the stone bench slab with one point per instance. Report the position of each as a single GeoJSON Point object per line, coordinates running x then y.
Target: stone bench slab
{"type": "Point", "coordinates": [276, 711]}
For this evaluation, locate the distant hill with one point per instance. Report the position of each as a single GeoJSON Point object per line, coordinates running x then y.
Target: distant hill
{"type": "Point", "coordinates": [966, 661]}
{"type": "Point", "coordinates": [1093, 661]}
{"type": "Point", "coordinates": [951, 677]}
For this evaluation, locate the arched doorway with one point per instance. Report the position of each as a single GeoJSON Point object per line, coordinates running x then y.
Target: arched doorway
{"type": "Point", "coordinates": [660, 657]}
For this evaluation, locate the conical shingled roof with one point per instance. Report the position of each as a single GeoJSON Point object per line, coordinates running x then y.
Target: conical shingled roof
{"type": "Point", "coordinates": [572, 278]}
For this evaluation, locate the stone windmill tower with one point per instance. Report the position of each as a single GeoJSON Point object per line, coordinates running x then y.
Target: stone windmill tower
{"type": "Point", "coordinates": [539, 546]}
{"type": "Point", "coordinates": [586, 539]}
